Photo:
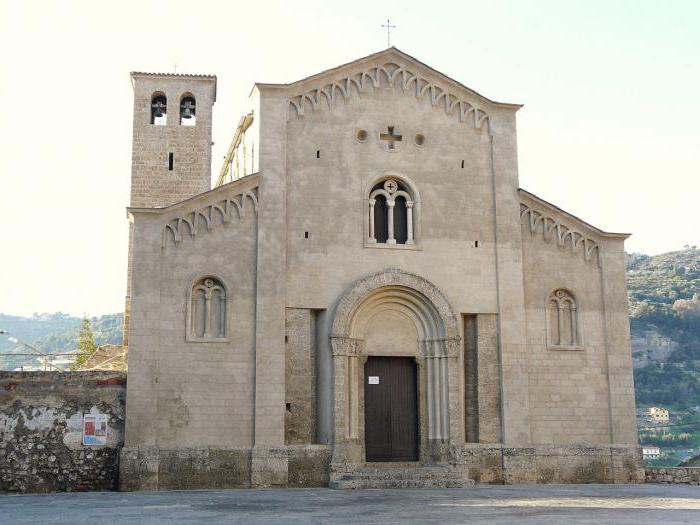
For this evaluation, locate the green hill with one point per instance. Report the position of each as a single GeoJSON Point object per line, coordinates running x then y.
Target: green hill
{"type": "Point", "coordinates": [52, 333]}
{"type": "Point", "coordinates": [664, 294]}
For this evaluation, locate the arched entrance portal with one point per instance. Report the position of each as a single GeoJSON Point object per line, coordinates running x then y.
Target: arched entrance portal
{"type": "Point", "coordinates": [389, 324]}
{"type": "Point", "coordinates": [391, 409]}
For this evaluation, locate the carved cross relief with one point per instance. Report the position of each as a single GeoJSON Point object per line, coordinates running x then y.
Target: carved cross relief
{"type": "Point", "coordinates": [390, 137]}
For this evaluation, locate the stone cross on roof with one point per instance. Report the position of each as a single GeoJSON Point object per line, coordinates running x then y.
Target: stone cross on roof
{"type": "Point", "coordinates": [389, 27]}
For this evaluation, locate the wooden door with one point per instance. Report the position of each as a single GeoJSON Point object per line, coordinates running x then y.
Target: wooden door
{"type": "Point", "coordinates": [391, 409]}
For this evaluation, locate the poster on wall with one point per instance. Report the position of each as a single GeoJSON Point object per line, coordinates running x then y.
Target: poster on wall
{"type": "Point", "coordinates": [95, 429]}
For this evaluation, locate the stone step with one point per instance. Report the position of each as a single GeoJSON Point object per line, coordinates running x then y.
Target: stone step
{"type": "Point", "coordinates": [404, 476]}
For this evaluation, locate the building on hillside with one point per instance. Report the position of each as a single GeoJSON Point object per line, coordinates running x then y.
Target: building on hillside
{"type": "Point", "coordinates": [106, 357]}
{"type": "Point", "coordinates": [366, 298]}
{"type": "Point", "coordinates": [693, 461]}
{"type": "Point", "coordinates": [651, 452]}
{"type": "Point", "coordinates": [658, 415]}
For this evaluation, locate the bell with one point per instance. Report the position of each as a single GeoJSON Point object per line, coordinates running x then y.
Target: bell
{"type": "Point", "coordinates": [158, 109]}
{"type": "Point", "coordinates": [187, 113]}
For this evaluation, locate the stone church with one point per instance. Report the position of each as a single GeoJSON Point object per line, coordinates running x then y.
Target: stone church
{"type": "Point", "coordinates": [366, 298]}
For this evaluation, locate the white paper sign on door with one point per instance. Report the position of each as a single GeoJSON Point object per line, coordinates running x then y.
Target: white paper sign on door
{"type": "Point", "coordinates": [373, 380]}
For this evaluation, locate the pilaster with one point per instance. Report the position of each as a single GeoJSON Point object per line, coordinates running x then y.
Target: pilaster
{"type": "Point", "coordinates": [623, 426]}
{"type": "Point", "coordinates": [271, 261]}
{"type": "Point", "coordinates": [510, 289]}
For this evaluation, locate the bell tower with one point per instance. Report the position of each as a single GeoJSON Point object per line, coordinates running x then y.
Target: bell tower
{"type": "Point", "coordinates": [171, 148]}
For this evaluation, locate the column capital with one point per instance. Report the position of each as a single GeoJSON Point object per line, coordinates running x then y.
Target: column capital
{"type": "Point", "coordinates": [346, 346]}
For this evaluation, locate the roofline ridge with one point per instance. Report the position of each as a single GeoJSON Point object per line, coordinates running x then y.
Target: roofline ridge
{"type": "Point", "coordinates": [588, 225]}
{"type": "Point", "coordinates": [403, 54]}
{"type": "Point", "coordinates": [184, 75]}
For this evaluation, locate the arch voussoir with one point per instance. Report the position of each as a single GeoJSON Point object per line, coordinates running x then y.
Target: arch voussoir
{"type": "Point", "coordinates": [365, 287]}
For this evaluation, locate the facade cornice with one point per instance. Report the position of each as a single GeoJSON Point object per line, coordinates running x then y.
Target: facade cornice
{"type": "Point", "coordinates": [388, 54]}
{"type": "Point", "coordinates": [243, 184]}
{"type": "Point", "coordinates": [182, 76]}
{"type": "Point", "coordinates": [549, 207]}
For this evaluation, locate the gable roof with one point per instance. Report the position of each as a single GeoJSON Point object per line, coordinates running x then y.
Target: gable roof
{"type": "Point", "coordinates": [392, 53]}
{"type": "Point", "coordinates": [570, 216]}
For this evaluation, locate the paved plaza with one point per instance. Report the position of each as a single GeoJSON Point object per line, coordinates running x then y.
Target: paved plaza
{"type": "Point", "coordinates": [536, 504]}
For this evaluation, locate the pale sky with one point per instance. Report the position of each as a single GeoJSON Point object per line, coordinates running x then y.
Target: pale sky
{"type": "Point", "coordinates": [609, 131]}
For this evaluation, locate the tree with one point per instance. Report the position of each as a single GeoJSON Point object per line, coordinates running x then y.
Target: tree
{"type": "Point", "coordinates": [86, 344]}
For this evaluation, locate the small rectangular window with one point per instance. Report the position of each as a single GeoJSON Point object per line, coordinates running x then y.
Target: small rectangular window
{"type": "Point", "coordinates": [171, 161]}
{"type": "Point", "coordinates": [462, 164]}
{"type": "Point", "coordinates": [318, 154]}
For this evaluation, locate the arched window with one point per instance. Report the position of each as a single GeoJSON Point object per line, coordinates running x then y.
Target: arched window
{"type": "Point", "coordinates": [207, 311]}
{"type": "Point", "coordinates": [562, 320]}
{"type": "Point", "coordinates": [159, 109]}
{"type": "Point", "coordinates": [188, 114]}
{"type": "Point", "coordinates": [391, 213]}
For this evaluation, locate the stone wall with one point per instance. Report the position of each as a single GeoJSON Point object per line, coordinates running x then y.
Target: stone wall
{"type": "Point", "coordinates": [300, 377]}
{"type": "Point", "coordinates": [489, 373]}
{"type": "Point", "coordinates": [192, 468]}
{"type": "Point", "coordinates": [493, 463]}
{"type": "Point", "coordinates": [683, 475]}
{"type": "Point", "coordinates": [41, 430]}
{"type": "Point", "coordinates": [482, 387]}
{"type": "Point", "coordinates": [186, 392]}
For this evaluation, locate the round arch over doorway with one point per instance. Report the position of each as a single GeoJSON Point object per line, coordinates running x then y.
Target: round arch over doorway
{"type": "Point", "coordinates": [436, 352]}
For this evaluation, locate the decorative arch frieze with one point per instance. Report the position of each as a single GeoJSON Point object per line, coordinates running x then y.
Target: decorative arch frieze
{"type": "Point", "coordinates": [565, 236]}
{"type": "Point", "coordinates": [212, 215]}
{"type": "Point", "coordinates": [396, 76]}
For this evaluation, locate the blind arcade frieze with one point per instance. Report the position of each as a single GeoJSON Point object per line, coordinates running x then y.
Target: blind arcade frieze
{"type": "Point", "coordinates": [553, 230]}
{"type": "Point", "coordinates": [210, 216]}
{"type": "Point", "coordinates": [395, 76]}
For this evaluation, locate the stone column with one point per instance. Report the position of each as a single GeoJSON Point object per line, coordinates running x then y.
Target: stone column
{"type": "Point", "coordinates": [207, 313]}
{"type": "Point", "coordinates": [454, 399]}
{"type": "Point", "coordinates": [409, 218]}
{"type": "Point", "coordinates": [390, 234]}
{"type": "Point", "coordinates": [371, 221]}
{"type": "Point", "coordinates": [347, 448]}
{"type": "Point", "coordinates": [324, 379]}
{"type": "Point", "coordinates": [442, 401]}
{"type": "Point", "coordinates": [444, 398]}
{"type": "Point", "coordinates": [434, 396]}
{"type": "Point", "coordinates": [560, 320]}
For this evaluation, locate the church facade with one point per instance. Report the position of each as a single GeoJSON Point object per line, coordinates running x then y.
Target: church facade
{"type": "Point", "coordinates": [366, 298]}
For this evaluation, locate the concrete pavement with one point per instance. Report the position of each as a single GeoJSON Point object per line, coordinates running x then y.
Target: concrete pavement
{"type": "Point", "coordinates": [521, 504]}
